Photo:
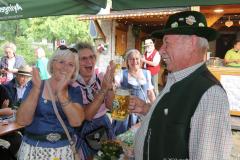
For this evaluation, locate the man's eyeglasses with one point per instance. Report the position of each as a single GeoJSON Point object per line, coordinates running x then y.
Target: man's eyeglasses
{"type": "Point", "coordinates": [63, 47]}
{"type": "Point", "coordinates": [91, 58]}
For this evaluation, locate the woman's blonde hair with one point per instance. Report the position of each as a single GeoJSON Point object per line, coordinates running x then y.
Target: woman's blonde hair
{"type": "Point", "coordinates": [40, 52]}
{"type": "Point", "coordinates": [129, 53]}
{"type": "Point", "coordinates": [62, 54]}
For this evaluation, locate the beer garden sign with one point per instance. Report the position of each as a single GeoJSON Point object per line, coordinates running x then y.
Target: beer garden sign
{"type": "Point", "coordinates": [18, 9]}
{"type": "Point", "coordinates": [11, 11]}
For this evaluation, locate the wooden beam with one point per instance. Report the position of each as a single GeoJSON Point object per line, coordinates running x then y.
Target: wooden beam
{"type": "Point", "coordinates": [212, 18]}
{"type": "Point", "coordinates": [99, 29]}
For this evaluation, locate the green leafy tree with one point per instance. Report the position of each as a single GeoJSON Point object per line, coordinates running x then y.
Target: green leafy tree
{"type": "Point", "coordinates": [14, 28]}
{"type": "Point", "coordinates": [11, 30]}
{"type": "Point", "coordinates": [58, 28]}
{"type": "Point", "coordinates": [25, 49]}
{"type": "Point", "coordinates": [28, 33]}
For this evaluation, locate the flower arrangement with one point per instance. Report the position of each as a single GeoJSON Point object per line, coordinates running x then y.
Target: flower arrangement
{"type": "Point", "coordinates": [110, 150]}
{"type": "Point", "coordinates": [127, 140]}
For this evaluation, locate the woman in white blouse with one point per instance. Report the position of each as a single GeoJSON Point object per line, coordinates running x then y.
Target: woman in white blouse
{"type": "Point", "coordinates": [10, 62]}
{"type": "Point", "coordinates": [138, 80]}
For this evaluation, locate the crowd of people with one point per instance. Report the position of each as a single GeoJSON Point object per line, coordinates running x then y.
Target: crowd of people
{"type": "Point", "coordinates": [188, 119]}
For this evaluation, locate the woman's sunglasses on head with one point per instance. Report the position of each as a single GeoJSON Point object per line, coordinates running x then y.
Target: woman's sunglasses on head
{"type": "Point", "coordinates": [63, 47]}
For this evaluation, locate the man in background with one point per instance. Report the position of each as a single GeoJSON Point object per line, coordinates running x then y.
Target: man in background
{"type": "Point", "coordinates": [232, 57]}
{"type": "Point", "coordinates": [17, 86]}
{"type": "Point", "coordinates": [151, 62]}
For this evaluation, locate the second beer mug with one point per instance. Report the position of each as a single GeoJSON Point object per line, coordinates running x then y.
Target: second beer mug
{"type": "Point", "coordinates": [120, 104]}
{"type": "Point", "coordinates": [118, 61]}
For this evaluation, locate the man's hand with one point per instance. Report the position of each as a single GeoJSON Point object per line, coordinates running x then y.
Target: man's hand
{"type": "Point", "coordinates": [7, 111]}
{"type": "Point", "coordinates": [136, 105]}
{"type": "Point", "coordinates": [5, 103]}
{"type": "Point", "coordinates": [237, 61]}
{"type": "Point", "coordinates": [3, 71]}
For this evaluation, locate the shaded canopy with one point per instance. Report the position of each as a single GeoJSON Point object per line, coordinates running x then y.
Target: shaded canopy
{"type": "Point", "coordinates": [143, 4]}
{"type": "Point", "coordinates": [17, 9]}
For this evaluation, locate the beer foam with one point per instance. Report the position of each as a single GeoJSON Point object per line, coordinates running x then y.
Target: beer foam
{"type": "Point", "coordinates": [122, 92]}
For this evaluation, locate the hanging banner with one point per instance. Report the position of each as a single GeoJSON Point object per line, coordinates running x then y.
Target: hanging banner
{"type": "Point", "coordinates": [143, 4]}
{"type": "Point", "coordinates": [18, 9]}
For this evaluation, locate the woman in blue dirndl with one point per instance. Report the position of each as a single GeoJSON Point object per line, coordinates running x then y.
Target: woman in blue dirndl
{"type": "Point", "coordinates": [138, 81]}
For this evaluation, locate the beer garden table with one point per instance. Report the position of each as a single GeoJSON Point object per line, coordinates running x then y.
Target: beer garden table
{"type": "Point", "coordinates": [9, 128]}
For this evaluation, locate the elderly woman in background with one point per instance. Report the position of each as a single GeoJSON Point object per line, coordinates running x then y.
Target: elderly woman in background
{"type": "Point", "coordinates": [10, 63]}
{"type": "Point", "coordinates": [138, 81]}
{"type": "Point", "coordinates": [44, 136]}
{"type": "Point", "coordinates": [97, 96]}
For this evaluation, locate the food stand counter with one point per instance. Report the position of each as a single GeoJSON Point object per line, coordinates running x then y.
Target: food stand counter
{"type": "Point", "coordinates": [230, 79]}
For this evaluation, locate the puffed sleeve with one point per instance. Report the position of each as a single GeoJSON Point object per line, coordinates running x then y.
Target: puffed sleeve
{"type": "Point", "coordinates": [76, 94]}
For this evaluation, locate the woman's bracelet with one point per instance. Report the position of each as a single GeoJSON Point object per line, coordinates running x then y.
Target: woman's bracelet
{"type": "Point", "coordinates": [64, 104]}
{"type": "Point", "coordinates": [102, 92]}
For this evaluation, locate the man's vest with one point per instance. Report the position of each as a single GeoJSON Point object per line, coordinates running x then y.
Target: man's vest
{"type": "Point", "coordinates": [153, 69]}
{"type": "Point", "coordinates": [169, 127]}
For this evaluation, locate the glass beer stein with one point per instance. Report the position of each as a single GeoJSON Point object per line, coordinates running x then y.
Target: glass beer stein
{"type": "Point", "coordinates": [120, 104]}
{"type": "Point", "coordinates": [118, 61]}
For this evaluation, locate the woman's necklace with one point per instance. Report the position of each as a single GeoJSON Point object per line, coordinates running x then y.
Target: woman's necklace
{"type": "Point", "coordinates": [136, 75]}
{"type": "Point", "coordinates": [53, 90]}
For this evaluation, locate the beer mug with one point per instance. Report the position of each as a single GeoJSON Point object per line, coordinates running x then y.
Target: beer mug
{"type": "Point", "coordinates": [120, 104]}
{"type": "Point", "coordinates": [118, 61]}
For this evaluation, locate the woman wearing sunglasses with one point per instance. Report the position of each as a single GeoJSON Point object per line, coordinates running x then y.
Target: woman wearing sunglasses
{"type": "Point", "coordinates": [44, 136]}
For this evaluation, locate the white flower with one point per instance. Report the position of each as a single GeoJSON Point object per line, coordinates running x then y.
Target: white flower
{"type": "Point", "coordinates": [201, 25]}
{"type": "Point", "coordinates": [99, 153]}
{"type": "Point", "coordinates": [190, 20]}
{"type": "Point", "coordinates": [174, 25]}
{"type": "Point", "coordinates": [181, 19]}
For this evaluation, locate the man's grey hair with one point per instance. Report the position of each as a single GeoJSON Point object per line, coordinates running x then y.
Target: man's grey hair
{"type": "Point", "coordinates": [10, 45]}
{"type": "Point", "coordinates": [203, 44]}
{"type": "Point", "coordinates": [84, 45]}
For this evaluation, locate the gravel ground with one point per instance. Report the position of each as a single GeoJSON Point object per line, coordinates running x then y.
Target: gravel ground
{"type": "Point", "coordinates": [236, 146]}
